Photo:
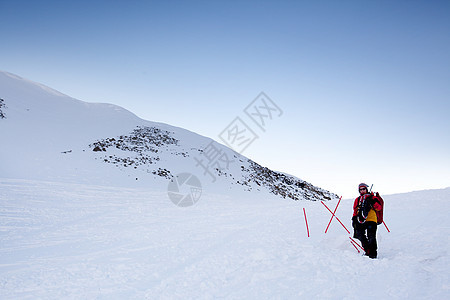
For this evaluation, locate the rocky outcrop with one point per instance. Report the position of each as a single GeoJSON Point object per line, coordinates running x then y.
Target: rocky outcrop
{"type": "Point", "coordinates": [141, 149]}
{"type": "Point", "coordinates": [2, 108]}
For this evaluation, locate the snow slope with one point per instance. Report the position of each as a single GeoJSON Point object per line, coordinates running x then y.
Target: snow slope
{"type": "Point", "coordinates": [75, 241]}
{"type": "Point", "coordinates": [46, 135]}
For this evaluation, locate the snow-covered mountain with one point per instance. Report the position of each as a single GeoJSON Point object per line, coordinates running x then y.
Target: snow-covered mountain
{"type": "Point", "coordinates": [84, 214]}
{"type": "Point", "coordinates": [46, 135]}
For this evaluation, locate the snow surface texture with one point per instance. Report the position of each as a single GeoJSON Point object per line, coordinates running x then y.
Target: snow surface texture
{"type": "Point", "coordinates": [50, 136]}
{"type": "Point", "coordinates": [75, 241]}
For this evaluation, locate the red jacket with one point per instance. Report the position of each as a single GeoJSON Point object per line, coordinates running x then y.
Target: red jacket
{"type": "Point", "coordinates": [372, 216]}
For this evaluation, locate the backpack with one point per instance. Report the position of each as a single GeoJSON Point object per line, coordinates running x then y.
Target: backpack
{"type": "Point", "coordinates": [365, 206]}
{"type": "Point", "coordinates": [380, 212]}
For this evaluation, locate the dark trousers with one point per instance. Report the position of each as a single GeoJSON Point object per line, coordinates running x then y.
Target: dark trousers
{"type": "Point", "coordinates": [367, 234]}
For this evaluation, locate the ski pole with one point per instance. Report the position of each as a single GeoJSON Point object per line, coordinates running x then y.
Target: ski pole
{"type": "Point", "coordinates": [333, 214]}
{"type": "Point", "coordinates": [306, 221]}
{"type": "Point", "coordinates": [335, 217]}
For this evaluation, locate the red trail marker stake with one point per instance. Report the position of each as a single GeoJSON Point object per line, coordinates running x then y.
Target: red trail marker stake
{"type": "Point", "coordinates": [335, 217]}
{"type": "Point", "coordinates": [306, 221]}
{"type": "Point", "coordinates": [354, 242]}
{"type": "Point", "coordinates": [386, 227]}
{"type": "Point", "coordinates": [351, 242]}
{"type": "Point", "coordinates": [333, 214]}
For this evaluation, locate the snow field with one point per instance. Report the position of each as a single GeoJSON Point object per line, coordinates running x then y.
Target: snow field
{"type": "Point", "coordinates": [73, 241]}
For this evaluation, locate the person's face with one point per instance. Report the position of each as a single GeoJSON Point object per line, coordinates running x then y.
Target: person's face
{"type": "Point", "coordinates": [362, 190]}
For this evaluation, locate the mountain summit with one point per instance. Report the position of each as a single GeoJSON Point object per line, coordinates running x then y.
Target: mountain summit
{"type": "Point", "coordinates": [47, 135]}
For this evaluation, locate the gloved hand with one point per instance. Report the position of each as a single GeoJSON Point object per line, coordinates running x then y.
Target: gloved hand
{"type": "Point", "coordinates": [370, 198]}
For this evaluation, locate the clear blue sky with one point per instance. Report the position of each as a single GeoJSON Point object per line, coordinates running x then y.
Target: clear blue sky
{"type": "Point", "coordinates": [363, 85]}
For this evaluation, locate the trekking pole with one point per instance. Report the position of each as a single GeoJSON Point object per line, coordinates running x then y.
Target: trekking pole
{"type": "Point", "coordinates": [333, 214]}
{"type": "Point", "coordinates": [335, 217]}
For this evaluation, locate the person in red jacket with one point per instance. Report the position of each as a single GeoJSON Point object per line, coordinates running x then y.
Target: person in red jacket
{"type": "Point", "coordinates": [364, 220]}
